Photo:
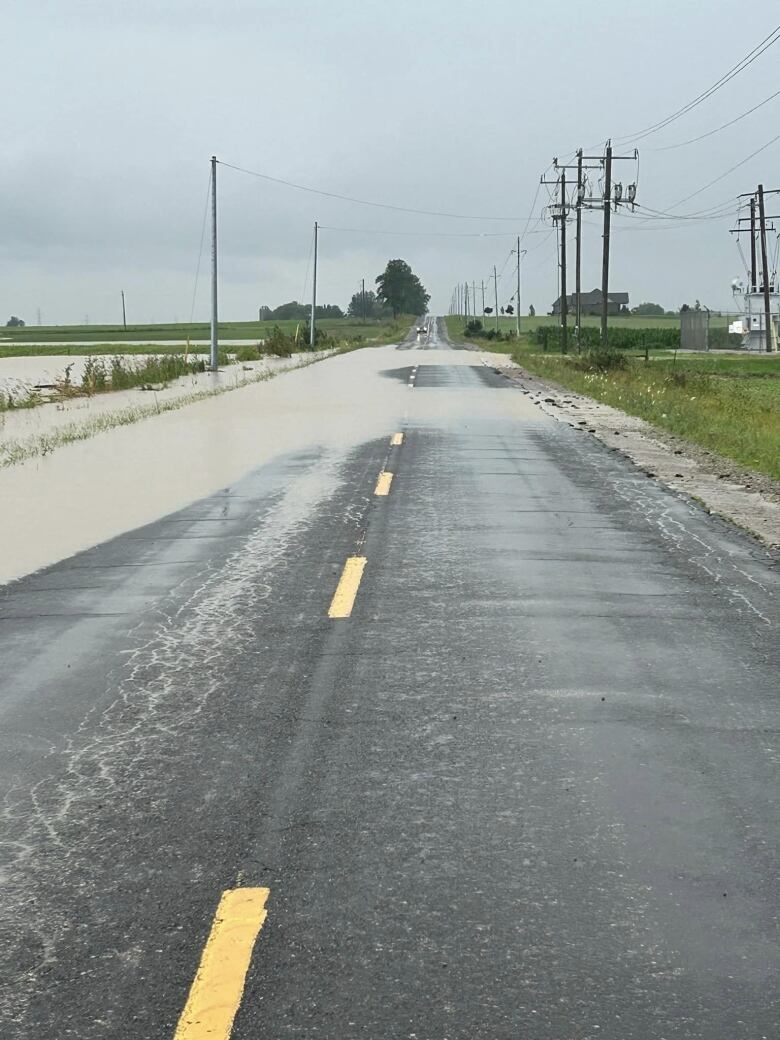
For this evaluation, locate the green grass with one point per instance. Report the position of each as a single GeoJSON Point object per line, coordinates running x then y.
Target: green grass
{"type": "Point", "coordinates": [341, 329]}
{"type": "Point", "coordinates": [729, 405]}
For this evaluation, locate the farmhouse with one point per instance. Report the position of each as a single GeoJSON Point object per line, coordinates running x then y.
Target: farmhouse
{"type": "Point", "coordinates": [590, 303]}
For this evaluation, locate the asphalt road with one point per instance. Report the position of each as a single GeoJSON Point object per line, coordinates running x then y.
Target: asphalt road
{"type": "Point", "coordinates": [529, 788]}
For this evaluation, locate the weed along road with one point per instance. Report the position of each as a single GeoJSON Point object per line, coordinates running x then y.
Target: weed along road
{"type": "Point", "coordinates": [405, 712]}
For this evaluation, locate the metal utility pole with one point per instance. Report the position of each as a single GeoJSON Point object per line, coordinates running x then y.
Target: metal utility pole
{"type": "Point", "coordinates": [578, 256]}
{"type": "Point", "coordinates": [474, 299]}
{"type": "Point", "coordinates": [495, 292]}
{"type": "Point", "coordinates": [312, 331]}
{"type": "Point", "coordinates": [466, 287]}
{"type": "Point", "coordinates": [517, 301]}
{"type": "Point", "coordinates": [605, 252]}
{"type": "Point", "coordinates": [124, 312]}
{"type": "Point", "coordinates": [765, 270]}
{"type": "Point", "coordinates": [214, 359]}
{"type": "Point", "coordinates": [482, 316]}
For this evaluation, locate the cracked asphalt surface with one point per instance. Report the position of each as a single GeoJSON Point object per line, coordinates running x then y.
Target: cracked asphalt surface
{"type": "Point", "coordinates": [528, 789]}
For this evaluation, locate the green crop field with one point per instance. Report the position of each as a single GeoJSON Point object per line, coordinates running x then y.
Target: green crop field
{"type": "Point", "coordinates": [628, 321]}
{"type": "Point", "coordinates": [144, 339]}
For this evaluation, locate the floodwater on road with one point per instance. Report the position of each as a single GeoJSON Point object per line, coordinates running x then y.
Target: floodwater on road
{"type": "Point", "coordinates": [91, 490]}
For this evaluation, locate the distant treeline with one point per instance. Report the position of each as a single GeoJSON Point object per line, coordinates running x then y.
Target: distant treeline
{"type": "Point", "coordinates": [294, 311]}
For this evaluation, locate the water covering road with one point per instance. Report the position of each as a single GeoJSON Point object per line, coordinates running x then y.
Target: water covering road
{"type": "Point", "coordinates": [527, 788]}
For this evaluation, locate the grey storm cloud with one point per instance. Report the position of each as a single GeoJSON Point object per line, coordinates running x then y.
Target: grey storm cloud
{"type": "Point", "coordinates": [113, 110]}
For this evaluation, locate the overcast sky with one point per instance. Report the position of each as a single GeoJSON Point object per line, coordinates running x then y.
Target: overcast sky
{"type": "Point", "coordinates": [112, 110]}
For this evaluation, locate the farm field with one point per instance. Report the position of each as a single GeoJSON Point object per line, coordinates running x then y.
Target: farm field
{"type": "Point", "coordinates": [632, 321]}
{"type": "Point", "coordinates": [136, 339]}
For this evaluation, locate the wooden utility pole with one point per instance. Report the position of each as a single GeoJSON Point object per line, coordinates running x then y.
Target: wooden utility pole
{"type": "Point", "coordinates": [483, 300]}
{"type": "Point", "coordinates": [564, 300]}
{"type": "Point", "coordinates": [765, 270]}
{"type": "Point", "coordinates": [578, 256]}
{"type": "Point", "coordinates": [363, 298]}
{"type": "Point", "coordinates": [495, 291]}
{"type": "Point", "coordinates": [605, 202]}
{"type": "Point", "coordinates": [605, 251]}
{"type": "Point", "coordinates": [758, 232]}
{"type": "Point", "coordinates": [581, 203]}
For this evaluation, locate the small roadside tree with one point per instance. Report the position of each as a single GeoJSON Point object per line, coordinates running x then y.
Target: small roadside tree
{"type": "Point", "coordinates": [373, 308]}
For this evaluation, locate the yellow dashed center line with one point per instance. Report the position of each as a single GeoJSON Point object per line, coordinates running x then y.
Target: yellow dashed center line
{"type": "Point", "coordinates": [397, 438]}
{"type": "Point", "coordinates": [383, 483]}
{"type": "Point", "coordinates": [219, 982]}
{"type": "Point", "coordinates": [344, 598]}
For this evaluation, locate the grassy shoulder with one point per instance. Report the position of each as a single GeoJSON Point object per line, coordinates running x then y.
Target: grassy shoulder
{"type": "Point", "coordinates": [729, 405]}
{"type": "Point", "coordinates": [140, 339]}
{"type": "Point", "coordinates": [504, 345]}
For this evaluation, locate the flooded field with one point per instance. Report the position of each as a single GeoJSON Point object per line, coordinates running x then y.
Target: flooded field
{"type": "Point", "coordinates": [21, 427]}
{"type": "Point", "coordinates": [90, 490]}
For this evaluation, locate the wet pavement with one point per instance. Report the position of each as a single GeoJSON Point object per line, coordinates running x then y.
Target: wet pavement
{"type": "Point", "coordinates": [527, 789]}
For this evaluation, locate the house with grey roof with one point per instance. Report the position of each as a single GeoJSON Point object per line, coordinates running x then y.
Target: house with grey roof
{"type": "Point", "coordinates": [590, 303]}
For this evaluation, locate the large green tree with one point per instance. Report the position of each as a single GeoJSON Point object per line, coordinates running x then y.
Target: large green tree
{"type": "Point", "coordinates": [400, 288]}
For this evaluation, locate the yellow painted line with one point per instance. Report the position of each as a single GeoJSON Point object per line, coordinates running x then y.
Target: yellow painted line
{"type": "Point", "coordinates": [344, 597]}
{"type": "Point", "coordinates": [383, 484]}
{"type": "Point", "coordinates": [397, 438]}
{"type": "Point", "coordinates": [219, 982]}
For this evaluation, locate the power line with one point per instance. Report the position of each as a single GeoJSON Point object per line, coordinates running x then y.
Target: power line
{"type": "Point", "coordinates": [200, 250]}
{"type": "Point", "coordinates": [731, 169]}
{"type": "Point", "coordinates": [419, 234]}
{"type": "Point", "coordinates": [741, 65]}
{"type": "Point", "coordinates": [364, 202]}
{"type": "Point", "coordinates": [717, 130]}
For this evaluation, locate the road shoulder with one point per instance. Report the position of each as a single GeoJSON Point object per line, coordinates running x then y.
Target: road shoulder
{"type": "Point", "coordinates": [746, 498]}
